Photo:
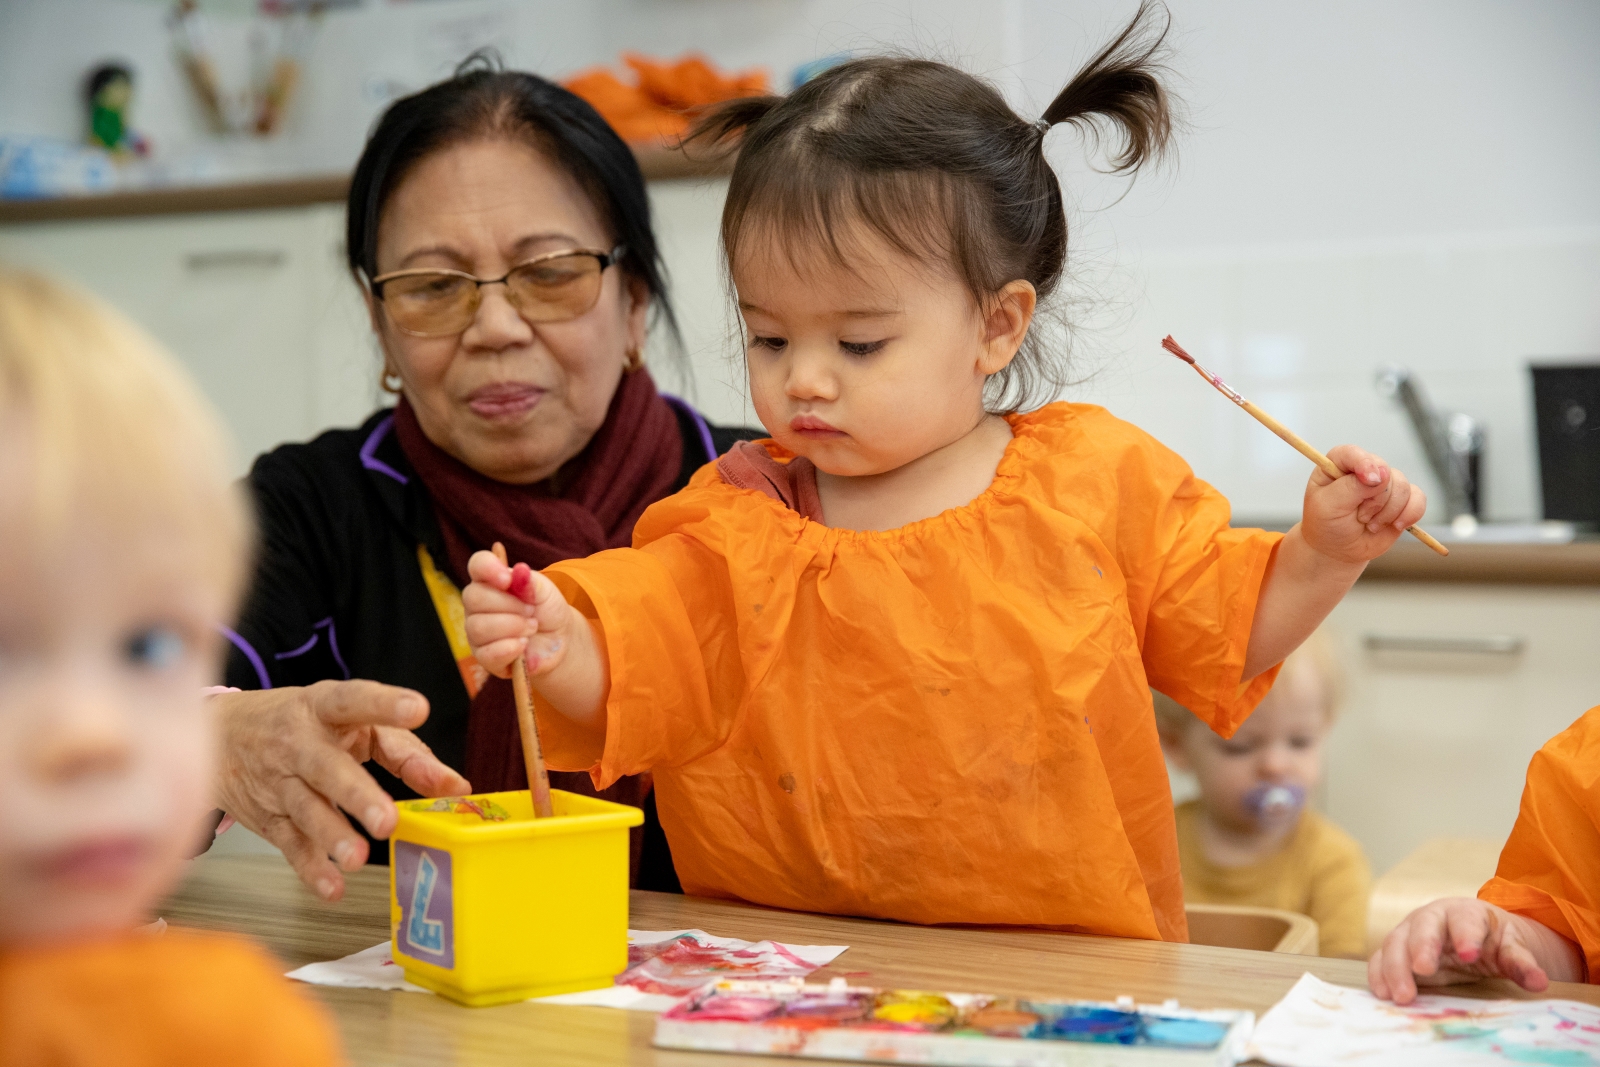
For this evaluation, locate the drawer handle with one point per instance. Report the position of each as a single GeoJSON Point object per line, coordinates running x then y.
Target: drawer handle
{"type": "Point", "coordinates": [237, 258]}
{"type": "Point", "coordinates": [1492, 645]}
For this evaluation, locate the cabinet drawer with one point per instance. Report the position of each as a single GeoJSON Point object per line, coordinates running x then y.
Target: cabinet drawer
{"type": "Point", "coordinates": [1451, 690]}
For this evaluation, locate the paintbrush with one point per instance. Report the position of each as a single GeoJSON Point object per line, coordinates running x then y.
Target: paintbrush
{"type": "Point", "coordinates": [1298, 443]}
{"type": "Point", "coordinates": [538, 780]}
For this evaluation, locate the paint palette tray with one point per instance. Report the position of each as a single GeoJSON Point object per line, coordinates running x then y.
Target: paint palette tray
{"type": "Point", "coordinates": [839, 1021]}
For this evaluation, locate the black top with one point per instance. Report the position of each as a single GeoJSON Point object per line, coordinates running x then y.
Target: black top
{"type": "Point", "coordinates": [338, 590]}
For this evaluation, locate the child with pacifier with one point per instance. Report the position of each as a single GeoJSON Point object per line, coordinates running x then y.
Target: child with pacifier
{"type": "Point", "coordinates": [122, 550]}
{"type": "Point", "coordinates": [1249, 838]}
{"type": "Point", "coordinates": [896, 660]}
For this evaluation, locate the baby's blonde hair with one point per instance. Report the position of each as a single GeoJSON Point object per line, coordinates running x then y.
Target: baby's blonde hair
{"type": "Point", "coordinates": [1314, 655]}
{"type": "Point", "coordinates": [111, 422]}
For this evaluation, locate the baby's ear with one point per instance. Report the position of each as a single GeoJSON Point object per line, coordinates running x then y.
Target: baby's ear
{"type": "Point", "coordinates": [1006, 318]}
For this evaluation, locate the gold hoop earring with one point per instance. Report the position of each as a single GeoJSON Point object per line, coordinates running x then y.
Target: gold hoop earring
{"type": "Point", "coordinates": [392, 388]}
{"type": "Point", "coordinates": [634, 361]}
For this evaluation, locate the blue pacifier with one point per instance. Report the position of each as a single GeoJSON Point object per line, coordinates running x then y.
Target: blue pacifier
{"type": "Point", "coordinates": [1269, 801]}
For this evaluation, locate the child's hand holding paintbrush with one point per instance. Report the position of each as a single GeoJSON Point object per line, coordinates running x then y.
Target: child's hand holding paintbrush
{"type": "Point", "coordinates": [517, 614]}
{"type": "Point", "coordinates": [1356, 506]}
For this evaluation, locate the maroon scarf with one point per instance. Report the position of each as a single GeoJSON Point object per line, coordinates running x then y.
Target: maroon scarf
{"type": "Point", "coordinates": [629, 464]}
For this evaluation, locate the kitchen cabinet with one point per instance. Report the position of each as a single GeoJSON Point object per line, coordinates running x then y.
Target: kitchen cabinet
{"type": "Point", "coordinates": [256, 304]}
{"type": "Point", "coordinates": [1450, 690]}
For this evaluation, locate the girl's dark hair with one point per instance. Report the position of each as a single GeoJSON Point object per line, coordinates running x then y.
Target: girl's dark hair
{"type": "Point", "coordinates": [937, 164]}
{"type": "Point", "coordinates": [483, 101]}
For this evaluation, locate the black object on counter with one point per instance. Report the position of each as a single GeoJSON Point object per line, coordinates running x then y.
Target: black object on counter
{"type": "Point", "coordinates": [1566, 402]}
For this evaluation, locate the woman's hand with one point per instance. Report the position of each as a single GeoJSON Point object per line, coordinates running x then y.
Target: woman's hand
{"type": "Point", "coordinates": [291, 759]}
{"type": "Point", "coordinates": [515, 612]}
{"type": "Point", "coordinates": [1357, 517]}
{"type": "Point", "coordinates": [1461, 939]}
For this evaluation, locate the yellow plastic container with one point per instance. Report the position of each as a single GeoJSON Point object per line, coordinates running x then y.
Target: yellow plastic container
{"type": "Point", "coordinates": [488, 904]}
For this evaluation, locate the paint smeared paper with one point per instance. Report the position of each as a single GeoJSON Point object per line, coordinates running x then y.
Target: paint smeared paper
{"type": "Point", "coordinates": [663, 967]}
{"type": "Point", "coordinates": [1324, 1025]}
{"type": "Point", "coordinates": [680, 963]}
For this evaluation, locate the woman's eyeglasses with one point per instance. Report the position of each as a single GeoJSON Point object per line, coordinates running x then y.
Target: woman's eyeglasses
{"type": "Point", "coordinates": [554, 287]}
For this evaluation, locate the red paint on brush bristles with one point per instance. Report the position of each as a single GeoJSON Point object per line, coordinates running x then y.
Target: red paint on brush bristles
{"type": "Point", "coordinates": [1176, 349]}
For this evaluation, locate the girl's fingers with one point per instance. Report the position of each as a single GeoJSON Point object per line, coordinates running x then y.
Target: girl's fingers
{"type": "Point", "coordinates": [544, 653]}
{"type": "Point", "coordinates": [486, 567]}
{"type": "Point", "coordinates": [1395, 963]}
{"type": "Point", "coordinates": [1426, 941]}
{"type": "Point", "coordinates": [480, 598]}
{"type": "Point", "coordinates": [1370, 470]}
{"type": "Point", "coordinates": [1416, 507]}
{"type": "Point", "coordinates": [487, 627]}
{"type": "Point", "coordinates": [1393, 504]}
{"type": "Point", "coordinates": [1468, 924]}
{"type": "Point", "coordinates": [1517, 963]}
{"type": "Point", "coordinates": [498, 656]}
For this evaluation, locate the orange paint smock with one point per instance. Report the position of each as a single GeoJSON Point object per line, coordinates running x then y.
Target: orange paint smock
{"type": "Point", "coordinates": [1550, 867]}
{"type": "Point", "coordinates": [178, 999]}
{"type": "Point", "coordinates": [945, 723]}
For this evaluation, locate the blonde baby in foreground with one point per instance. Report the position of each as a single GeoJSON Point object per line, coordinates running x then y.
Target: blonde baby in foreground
{"type": "Point", "coordinates": [122, 548]}
{"type": "Point", "coordinates": [895, 661]}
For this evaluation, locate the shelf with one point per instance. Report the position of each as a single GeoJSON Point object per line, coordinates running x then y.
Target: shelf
{"type": "Point", "coordinates": [1577, 563]}
{"type": "Point", "coordinates": [658, 162]}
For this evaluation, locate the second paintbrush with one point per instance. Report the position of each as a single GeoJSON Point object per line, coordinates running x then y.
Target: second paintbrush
{"type": "Point", "coordinates": [1298, 443]}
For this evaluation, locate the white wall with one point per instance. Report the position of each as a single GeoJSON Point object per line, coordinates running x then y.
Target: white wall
{"type": "Point", "coordinates": [1361, 183]}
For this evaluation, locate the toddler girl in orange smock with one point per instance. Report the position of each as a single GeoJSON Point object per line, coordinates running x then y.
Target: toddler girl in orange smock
{"type": "Point", "coordinates": [122, 547]}
{"type": "Point", "coordinates": [895, 660]}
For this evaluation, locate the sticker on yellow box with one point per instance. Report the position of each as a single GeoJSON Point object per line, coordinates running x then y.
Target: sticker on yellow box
{"type": "Point", "coordinates": [424, 888]}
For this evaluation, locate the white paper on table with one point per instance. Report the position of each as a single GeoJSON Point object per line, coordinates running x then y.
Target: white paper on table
{"type": "Point", "coordinates": [664, 983]}
{"type": "Point", "coordinates": [1323, 1025]}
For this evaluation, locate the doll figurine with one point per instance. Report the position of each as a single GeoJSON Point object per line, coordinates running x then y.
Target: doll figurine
{"type": "Point", "coordinates": [109, 91]}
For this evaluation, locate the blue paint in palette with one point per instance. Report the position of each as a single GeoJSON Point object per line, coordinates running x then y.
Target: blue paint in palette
{"type": "Point", "coordinates": [843, 1022]}
{"type": "Point", "coordinates": [1107, 1026]}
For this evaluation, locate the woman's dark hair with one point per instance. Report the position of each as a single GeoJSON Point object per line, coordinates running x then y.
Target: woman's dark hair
{"type": "Point", "coordinates": [937, 164]}
{"type": "Point", "coordinates": [483, 101]}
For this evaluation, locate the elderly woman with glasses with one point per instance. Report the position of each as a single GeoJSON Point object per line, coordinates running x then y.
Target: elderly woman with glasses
{"type": "Point", "coordinates": [501, 235]}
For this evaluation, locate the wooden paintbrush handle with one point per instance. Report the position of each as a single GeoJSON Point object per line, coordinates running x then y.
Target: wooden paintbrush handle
{"type": "Point", "coordinates": [528, 727]}
{"type": "Point", "coordinates": [1327, 466]}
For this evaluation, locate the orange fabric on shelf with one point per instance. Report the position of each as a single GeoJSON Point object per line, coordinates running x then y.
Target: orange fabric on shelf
{"type": "Point", "coordinates": [168, 1000]}
{"type": "Point", "coordinates": [661, 106]}
{"type": "Point", "coordinates": [691, 82]}
{"type": "Point", "coordinates": [945, 723]}
{"type": "Point", "coordinates": [630, 112]}
{"type": "Point", "coordinates": [1550, 868]}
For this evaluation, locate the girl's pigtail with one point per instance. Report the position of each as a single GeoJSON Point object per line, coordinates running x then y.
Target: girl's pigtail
{"type": "Point", "coordinates": [1122, 84]}
{"type": "Point", "coordinates": [722, 126]}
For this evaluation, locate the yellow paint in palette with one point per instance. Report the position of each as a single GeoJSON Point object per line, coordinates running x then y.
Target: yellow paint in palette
{"type": "Point", "coordinates": [488, 904]}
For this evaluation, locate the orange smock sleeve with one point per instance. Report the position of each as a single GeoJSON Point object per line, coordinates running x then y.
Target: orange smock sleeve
{"type": "Point", "coordinates": [1550, 868]}
{"type": "Point", "coordinates": [669, 619]}
{"type": "Point", "coordinates": [1193, 584]}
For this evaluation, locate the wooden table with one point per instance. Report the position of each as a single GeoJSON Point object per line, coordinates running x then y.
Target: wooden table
{"type": "Point", "coordinates": [259, 896]}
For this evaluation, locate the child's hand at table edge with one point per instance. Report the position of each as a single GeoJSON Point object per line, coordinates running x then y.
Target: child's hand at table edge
{"type": "Point", "coordinates": [1356, 518]}
{"type": "Point", "coordinates": [1462, 939]}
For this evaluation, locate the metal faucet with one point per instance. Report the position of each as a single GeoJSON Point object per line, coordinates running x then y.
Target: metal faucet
{"type": "Point", "coordinates": [1453, 443]}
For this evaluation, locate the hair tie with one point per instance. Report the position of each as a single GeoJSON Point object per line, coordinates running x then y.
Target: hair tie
{"type": "Point", "coordinates": [1043, 126]}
